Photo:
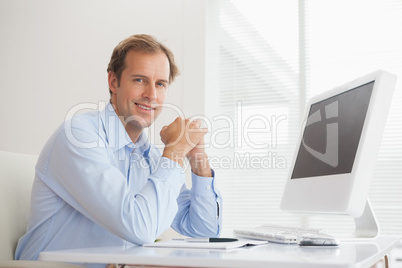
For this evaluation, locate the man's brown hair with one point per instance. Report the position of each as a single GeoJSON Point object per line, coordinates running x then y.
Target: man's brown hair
{"type": "Point", "coordinates": [143, 43]}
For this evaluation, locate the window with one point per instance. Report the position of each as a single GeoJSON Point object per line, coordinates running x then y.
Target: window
{"type": "Point", "coordinates": [265, 59]}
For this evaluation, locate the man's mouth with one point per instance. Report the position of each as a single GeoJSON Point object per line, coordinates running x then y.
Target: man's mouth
{"type": "Point", "coordinates": [148, 108]}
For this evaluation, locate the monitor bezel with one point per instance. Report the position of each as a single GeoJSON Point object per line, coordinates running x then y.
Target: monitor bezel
{"type": "Point", "coordinates": [344, 193]}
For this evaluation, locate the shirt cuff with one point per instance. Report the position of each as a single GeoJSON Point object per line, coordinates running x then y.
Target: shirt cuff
{"type": "Point", "coordinates": [204, 187]}
{"type": "Point", "coordinates": [202, 184]}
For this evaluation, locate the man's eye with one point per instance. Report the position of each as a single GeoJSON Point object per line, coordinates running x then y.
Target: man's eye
{"type": "Point", "coordinates": [160, 84]}
{"type": "Point", "coordinates": [139, 80]}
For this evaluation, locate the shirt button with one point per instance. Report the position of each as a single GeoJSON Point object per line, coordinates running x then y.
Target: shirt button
{"type": "Point", "coordinates": [208, 187]}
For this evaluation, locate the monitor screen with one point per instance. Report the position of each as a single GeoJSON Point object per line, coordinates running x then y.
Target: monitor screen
{"type": "Point", "coordinates": [332, 133]}
{"type": "Point", "coordinates": [337, 148]}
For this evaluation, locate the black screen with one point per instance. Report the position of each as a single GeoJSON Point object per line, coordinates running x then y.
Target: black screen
{"type": "Point", "coordinates": [332, 134]}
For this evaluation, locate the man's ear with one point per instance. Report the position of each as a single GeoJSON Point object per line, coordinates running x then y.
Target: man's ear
{"type": "Point", "coordinates": [113, 82]}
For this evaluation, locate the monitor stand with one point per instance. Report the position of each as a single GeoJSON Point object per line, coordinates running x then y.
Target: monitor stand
{"type": "Point", "coordinates": [366, 225]}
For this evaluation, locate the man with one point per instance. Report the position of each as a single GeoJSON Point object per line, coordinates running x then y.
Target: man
{"type": "Point", "coordinates": [100, 182]}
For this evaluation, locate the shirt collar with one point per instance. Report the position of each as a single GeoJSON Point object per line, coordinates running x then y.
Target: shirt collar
{"type": "Point", "coordinates": [116, 134]}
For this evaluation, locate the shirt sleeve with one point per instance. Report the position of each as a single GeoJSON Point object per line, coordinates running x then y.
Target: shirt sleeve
{"type": "Point", "coordinates": [200, 209]}
{"type": "Point", "coordinates": [85, 179]}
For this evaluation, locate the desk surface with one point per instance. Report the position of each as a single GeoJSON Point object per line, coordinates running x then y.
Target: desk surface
{"type": "Point", "coordinates": [348, 254]}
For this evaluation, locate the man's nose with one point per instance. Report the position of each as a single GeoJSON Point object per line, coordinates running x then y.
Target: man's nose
{"type": "Point", "coordinates": [150, 92]}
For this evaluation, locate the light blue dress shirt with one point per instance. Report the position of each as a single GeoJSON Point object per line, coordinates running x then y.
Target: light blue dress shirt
{"type": "Point", "coordinates": [94, 187]}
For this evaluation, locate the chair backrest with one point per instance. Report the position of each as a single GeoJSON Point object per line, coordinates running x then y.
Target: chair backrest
{"type": "Point", "coordinates": [17, 172]}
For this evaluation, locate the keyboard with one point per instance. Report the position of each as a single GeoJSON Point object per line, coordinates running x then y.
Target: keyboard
{"type": "Point", "coordinates": [276, 233]}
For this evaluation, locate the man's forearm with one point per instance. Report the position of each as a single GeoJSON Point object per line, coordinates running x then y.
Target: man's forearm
{"type": "Point", "coordinates": [174, 156]}
{"type": "Point", "coordinates": [200, 165]}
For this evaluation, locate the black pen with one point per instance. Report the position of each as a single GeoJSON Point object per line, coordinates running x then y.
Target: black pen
{"type": "Point", "coordinates": [211, 240]}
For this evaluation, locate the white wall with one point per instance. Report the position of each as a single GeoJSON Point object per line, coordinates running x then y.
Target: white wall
{"type": "Point", "coordinates": [54, 55]}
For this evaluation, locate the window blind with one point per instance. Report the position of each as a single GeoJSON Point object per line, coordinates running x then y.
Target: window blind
{"type": "Point", "coordinates": [264, 60]}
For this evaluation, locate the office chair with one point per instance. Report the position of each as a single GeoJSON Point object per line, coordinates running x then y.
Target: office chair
{"type": "Point", "coordinates": [17, 172]}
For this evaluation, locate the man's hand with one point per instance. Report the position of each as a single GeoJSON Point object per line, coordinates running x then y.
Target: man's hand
{"type": "Point", "coordinates": [199, 160]}
{"type": "Point", "coordinates": [180, 137]}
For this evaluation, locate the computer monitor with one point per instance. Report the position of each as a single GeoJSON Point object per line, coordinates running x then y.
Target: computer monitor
{"type": "Point", "coordinates": [337, 150]}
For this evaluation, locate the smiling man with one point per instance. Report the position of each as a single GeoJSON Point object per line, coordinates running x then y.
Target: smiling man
{"type": "Point", "coordinates": [100, 182]}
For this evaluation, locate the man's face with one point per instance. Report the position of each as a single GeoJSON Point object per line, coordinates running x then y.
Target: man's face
{"type": "Point", "coordinates": [142, 90]}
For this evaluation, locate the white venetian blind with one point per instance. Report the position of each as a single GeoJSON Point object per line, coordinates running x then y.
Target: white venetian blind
{"type": "Point", "coordinates": [264, 59]}
{"type": "Point", "coordinates": [253, 75]}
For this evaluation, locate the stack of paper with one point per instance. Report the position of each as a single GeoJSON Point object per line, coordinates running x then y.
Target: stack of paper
{"type": "Point", "coordinates": [206, 245]}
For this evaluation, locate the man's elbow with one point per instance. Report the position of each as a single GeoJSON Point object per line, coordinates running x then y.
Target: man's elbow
{"type": "Point", "coordinates": [143, 238]}
{"type": "Point", "coordinates": [141, 234]}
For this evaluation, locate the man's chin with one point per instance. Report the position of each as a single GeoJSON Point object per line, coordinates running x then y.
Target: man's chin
{"type": "Point", "coordinates": [139, 125]}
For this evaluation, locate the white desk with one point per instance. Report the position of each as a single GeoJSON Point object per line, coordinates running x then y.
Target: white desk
{"type": "Point", "coordinates": [349, 254]}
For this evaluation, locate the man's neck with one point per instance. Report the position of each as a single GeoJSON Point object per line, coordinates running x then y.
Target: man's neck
{"type": "Point", "coordinates": [133, 132]}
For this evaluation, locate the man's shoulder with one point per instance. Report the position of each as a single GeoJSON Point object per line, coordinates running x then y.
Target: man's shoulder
{"type": "Point", "coordinates": [82, 128]}
{"type": "Point", "coordinates": [88, 120]}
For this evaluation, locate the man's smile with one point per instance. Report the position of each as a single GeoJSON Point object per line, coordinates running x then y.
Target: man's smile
{"type": "Point", "coordinates": [145, 107]}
